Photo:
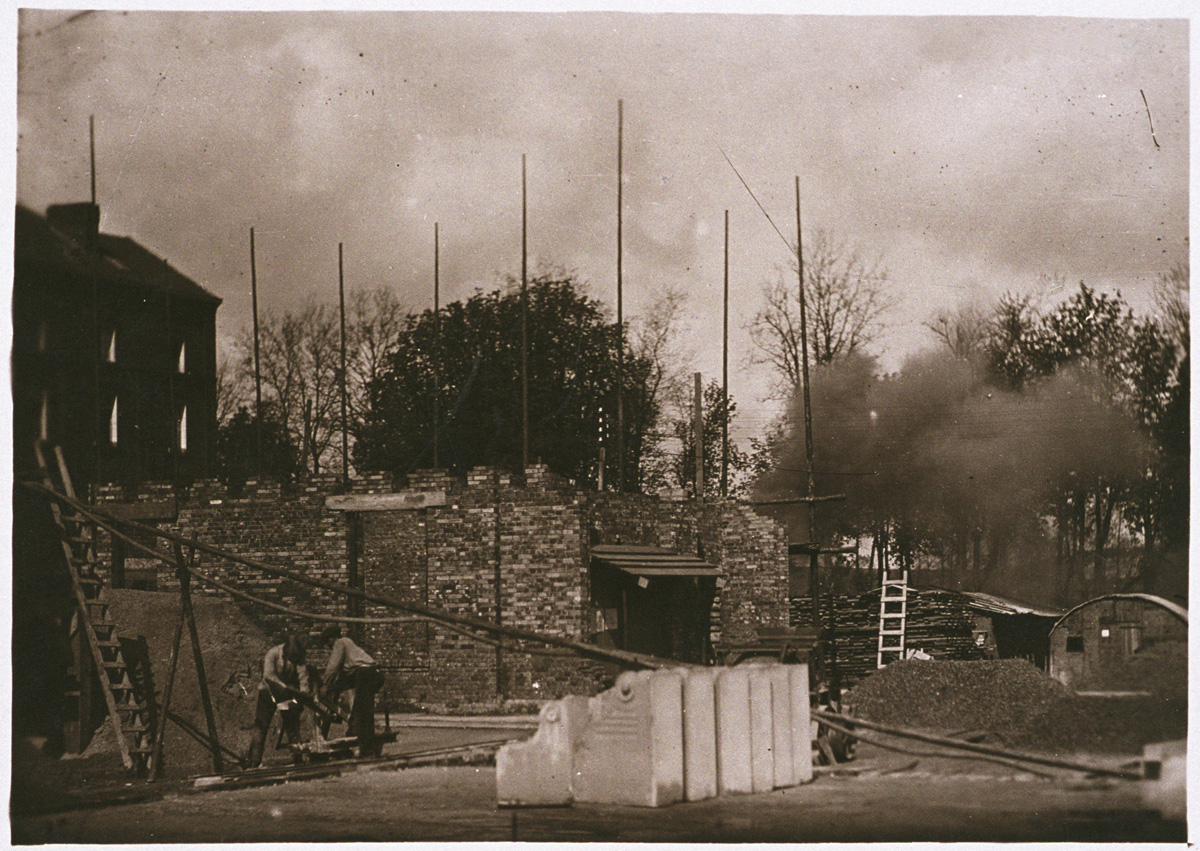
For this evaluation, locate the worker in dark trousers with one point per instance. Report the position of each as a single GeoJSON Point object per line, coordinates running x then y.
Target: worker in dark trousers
{"type": "Point", "coordinates": [352, 668]}
{"type": "Point", "coordinates": [284, 685]}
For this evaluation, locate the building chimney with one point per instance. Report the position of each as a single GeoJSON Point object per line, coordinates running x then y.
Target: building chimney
{"type": "Point", "coordinates": [79, 221]}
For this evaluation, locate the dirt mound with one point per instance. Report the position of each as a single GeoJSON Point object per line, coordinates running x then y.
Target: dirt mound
{"type": "Point", "coordinates": [1017, 705]}
{"type": "Point", "coordinates": [232, 648]}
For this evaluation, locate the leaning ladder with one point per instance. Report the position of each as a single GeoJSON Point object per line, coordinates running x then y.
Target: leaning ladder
{"type": "Point", "coordinates": [893, 616]}
{"type": "Point", "coordinates": [130, 718]}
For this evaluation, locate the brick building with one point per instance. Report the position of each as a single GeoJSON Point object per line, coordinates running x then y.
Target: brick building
{"type": "Point", "coordinates": [114, 353]}
{"type": "Point", "coordinates": [114, 360]}
{"type": "Point", "coordinates": [674, 578]}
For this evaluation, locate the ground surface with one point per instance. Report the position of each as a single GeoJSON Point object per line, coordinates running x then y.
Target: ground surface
{"type": "Point", "coordinates": [881, 796]}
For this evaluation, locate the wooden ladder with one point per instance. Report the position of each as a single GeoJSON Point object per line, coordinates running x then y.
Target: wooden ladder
{"type": "Point", "coordinates": [893, 616]}
{"type": "Point", "coordinates": [130, 717]}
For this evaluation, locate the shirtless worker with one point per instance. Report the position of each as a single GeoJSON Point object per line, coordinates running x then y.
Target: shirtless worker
{"type": "Point", "coordinates": [351, 667]}
{"type": "Point", "coordinates": [284, 684]}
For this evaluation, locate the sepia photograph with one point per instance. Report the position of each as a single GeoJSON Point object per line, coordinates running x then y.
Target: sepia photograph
{"type": "Point", "coordinates": [613, 423]}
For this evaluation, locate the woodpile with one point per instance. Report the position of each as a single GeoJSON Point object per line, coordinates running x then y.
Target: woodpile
{"type": "Point", "coordinates": [939, 623]}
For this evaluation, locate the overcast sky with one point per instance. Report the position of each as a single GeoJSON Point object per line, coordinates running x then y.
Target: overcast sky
{"type": "Point", "coordinates": [975, 155]}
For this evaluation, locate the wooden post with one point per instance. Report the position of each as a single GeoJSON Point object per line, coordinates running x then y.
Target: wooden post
{"type": "Point", "coordinates": [698, 436]}
{"type": "Point", "coordinates": [172, 664]}
{"type": "Point", "coordinates": [202, 680]}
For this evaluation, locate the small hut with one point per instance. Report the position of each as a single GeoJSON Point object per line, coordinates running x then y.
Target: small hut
{"type": "Point", "coordinates": [1121, 643]}
{"type": "Point", "coordinates": [1007, 629]}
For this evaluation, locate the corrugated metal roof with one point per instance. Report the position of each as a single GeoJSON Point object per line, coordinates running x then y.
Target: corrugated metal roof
{"type": "Point", "coordinates": [1174, 608]}
{"type": "Point", "coordinates": [1001, 606]}
{"type": "Point", "coordinates": [651, 561]}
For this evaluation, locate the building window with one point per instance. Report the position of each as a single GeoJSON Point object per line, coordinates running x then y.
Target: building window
{"type": "Point", "coordinates": [1074, 643]}
{"type": "Point", "coordinates": [182, 358]}
{"type": "Point", "coordinates": [1131, 638]}
{"type": "Point", "coordinates": [112, 423]}
{"type": "Point", "coordinates": [183, 430]}
{"type": "Point", "coordinates": [110, 354]}
{"type": "Point", "coordinates": [44, 417]}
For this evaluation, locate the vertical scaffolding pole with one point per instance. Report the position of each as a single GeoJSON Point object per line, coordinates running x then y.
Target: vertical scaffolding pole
{"type": "Point", "coordinates": [342, 316]}
{"type": "Point", "coordinates": [698, 434]}
{"type": "Point", "coordinates": [437, 347]}
{"type": "Point", "coordinates": [814, 564]}
{"type": "Point", "coordinates": [620, 307]}
{"type": "Point", "coordinates": [524, 328]}
{"type": "Point", "coordinates": [258, 453]}
{"type": "Point", "coordinates": [725, 372]}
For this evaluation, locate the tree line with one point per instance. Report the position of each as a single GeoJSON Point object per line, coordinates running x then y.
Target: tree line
{"type": "Point", "coordinates": [1037, 449]}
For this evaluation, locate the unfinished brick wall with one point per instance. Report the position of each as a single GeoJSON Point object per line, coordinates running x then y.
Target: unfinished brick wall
{"type": "Point", "coordinates": [285, 527]}
{"type": "Point", "coordinates": [495, 546]}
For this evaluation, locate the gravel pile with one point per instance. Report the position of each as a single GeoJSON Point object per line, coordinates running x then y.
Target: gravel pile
{"type": "Point", "coordinates": [1016, 705]}
{"type": "Point", "coordinates": [987, 695]}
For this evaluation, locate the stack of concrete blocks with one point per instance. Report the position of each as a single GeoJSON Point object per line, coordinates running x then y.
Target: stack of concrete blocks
{"type": "Point", "coordinates": [660, 737]}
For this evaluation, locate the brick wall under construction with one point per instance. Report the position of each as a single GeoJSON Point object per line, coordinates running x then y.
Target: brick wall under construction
{"type": "Point", "coordinates": [496, 546]}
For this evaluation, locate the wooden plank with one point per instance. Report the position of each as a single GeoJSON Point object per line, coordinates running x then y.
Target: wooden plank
{"type": "Point", "coordinates": [399, 501]}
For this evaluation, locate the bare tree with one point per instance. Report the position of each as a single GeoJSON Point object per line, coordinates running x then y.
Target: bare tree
{"type": "Point", "coordinates": [845, 303]}
{"type": "Point", "coordinates": [374, 324]}
{"type": "Point", "coordinates": [1171, 304]}
{"type": "Point", "coordinates": [962, 331]}
{"type": "Point", "coordinates": [299, 361]}
{"type": "Point", "coordinates": [231, 388]}
{"type": "Point", "coordinates": [655, 337]}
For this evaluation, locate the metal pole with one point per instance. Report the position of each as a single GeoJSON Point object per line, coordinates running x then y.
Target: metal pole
{"type": "Point", "coordinates": [813, 567]}
{"type": "Point", "coordinates": [258, 454]}
{"type": "Point", "coordinates": [725, 373]}
{"type": "Point", "coordinates": [620, 307]}
{"type": "Point", "coordinates": [524, 329]}
{"type": "Point", "coordinates": [342, 312]}
{"type": "Point", "coordinates": [437, 347]}
{"type": "Point", "coordinates": [698, 435]}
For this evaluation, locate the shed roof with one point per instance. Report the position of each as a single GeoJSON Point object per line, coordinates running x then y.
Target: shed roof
{"type": "Point", "coordinates": [1002, 606]}
{"type": "Point", "coordinates": [651, 561]}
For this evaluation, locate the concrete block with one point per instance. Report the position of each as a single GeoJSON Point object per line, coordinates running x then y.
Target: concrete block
{"type": "Point", "coordinates": [699, 734]}
{"type": "Point", "coordinates": [631, 751]}
{"type": "Point", "coordinates": [733, 731]}
{"type": "Point", "coordinates": [781, 726]}
{"type": "Point", "coordinates": [538, 772]}
{"type": "Point", "coordinates": [762, 738]}
{"type": "Point", "coordinates": [1164, 789]}
{"type": "Point", "coordinates": [802, 732]}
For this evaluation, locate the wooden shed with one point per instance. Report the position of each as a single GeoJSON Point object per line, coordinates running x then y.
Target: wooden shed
{"type": "Point", "coordinates": [1121, 643]}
